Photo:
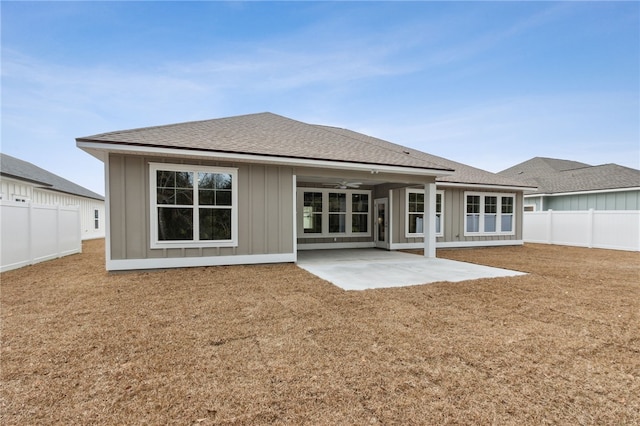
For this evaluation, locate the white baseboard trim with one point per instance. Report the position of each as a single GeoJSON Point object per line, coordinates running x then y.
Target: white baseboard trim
{"type": "Point", "coordinates": [457, 244]}
{"type": "Point", "coordinates": [323, 246]}
{"type": "Point", "coordinates": [187, 262]}
{"type": "Point", "coordinates": [406, 246]}
{"type": "Point", "coordinates": [489, 243]}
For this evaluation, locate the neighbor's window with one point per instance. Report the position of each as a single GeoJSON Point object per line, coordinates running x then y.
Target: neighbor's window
{"type": "Point", "coordinates": [96, 219]}
{"type": "Point", "coordinates": [20, 198]}
{"type": "Point", "coordinates": [193, 206]}
{"type": "Point", "coordinates": [329, 212]}
{"type": "Point", "coordinates": [489, 213]}
{"type": "Point", "coordinates": [415, 213]}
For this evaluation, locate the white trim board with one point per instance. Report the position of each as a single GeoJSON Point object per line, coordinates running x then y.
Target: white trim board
{"type": "Point", "coordinates": [458, 244]}
{"type": "Point", "coordinates": [323, 246]}
{"type": "Point", "coordinates": [594, 191]}
{"type": "Point", "coordinates": [187, 262]}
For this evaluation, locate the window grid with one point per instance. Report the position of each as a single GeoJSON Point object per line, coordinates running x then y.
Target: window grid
{"type": "Point", "coordinates": [415, 213]}
{"type": "Point", "coordinates": [330, 212]}
{"type": "Point", "coordinates": [489, 214]}
{"type": "Point", "coordinates": [193, 206]}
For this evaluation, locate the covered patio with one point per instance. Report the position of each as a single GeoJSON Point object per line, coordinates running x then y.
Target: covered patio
{"type": "Point", "coordinates": [362, 269]}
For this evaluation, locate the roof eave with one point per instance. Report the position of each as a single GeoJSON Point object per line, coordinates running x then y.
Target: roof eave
{"type": "Point", "coordinates": [585, 192]}
{"type": "Point", "coordinates": [22, 178]}
{"type": "Point", "coordinates": [481, 185]}
{"type": "Point", "coordinates": [99, 148]}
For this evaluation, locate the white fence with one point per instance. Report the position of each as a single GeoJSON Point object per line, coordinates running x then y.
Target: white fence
{"type": "Point", "coordinates": [618, 230]}
{"type": "Point", "coordinates": [32, 233]}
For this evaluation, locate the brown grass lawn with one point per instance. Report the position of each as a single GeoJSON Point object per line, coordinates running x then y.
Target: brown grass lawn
{"type": "Point", "coordinates": [274, 344]}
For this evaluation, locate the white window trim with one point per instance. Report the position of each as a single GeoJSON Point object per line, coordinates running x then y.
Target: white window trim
{"type": "Point", "coordinates": [325, 213]}
{"type": "Point", "coordinates": [153, 211]}
{"type": "Point", "coordinates": [499, 196]}
{"type": "Point", "coordinates": [408, 234]}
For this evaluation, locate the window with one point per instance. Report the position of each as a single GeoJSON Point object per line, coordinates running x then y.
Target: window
{"type": "Point", "coordinates": [20, 198]}
{"type": "Point", "coordinates": [96, 219]}
{"type": "Point", "coordinates": [330, 212]}
{"type": "Point", "coordinates": [359, 213]}
{"type": "Point", "coordinates": [312, 213]}
{"type": "Point", "coordinates": [530, 208]}
{"type": "Point", "coordinates": [193, 206]}
{"type": "Point", "coordinates": [415, 213]}
{"type": "Point", "coordinates": [489, 213]}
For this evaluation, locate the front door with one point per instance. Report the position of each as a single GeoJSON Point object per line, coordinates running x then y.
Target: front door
{"type": "Point", "coordinates": [381, 225]}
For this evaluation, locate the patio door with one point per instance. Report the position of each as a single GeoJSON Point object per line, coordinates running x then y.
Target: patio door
{"type": "Point", "coordinates": [381, 224]}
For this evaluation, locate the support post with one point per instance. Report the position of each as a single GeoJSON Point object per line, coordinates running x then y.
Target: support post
{"type": "Point", "coordinates": [429, 220]}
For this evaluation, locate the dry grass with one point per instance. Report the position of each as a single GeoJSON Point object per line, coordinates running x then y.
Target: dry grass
{"type": "Point", "coordinates": [274, 344]}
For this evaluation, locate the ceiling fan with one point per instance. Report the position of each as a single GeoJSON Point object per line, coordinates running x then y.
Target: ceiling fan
{"type": "Point", "coordinates": [343, 184]}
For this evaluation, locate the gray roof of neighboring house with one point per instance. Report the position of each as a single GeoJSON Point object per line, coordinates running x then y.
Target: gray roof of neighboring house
{"type": "Point", "coordinates": [273, 135]}
{"type": "Point", "coordinates": [553, 176]}
{"type": "Point", "coordinates": [18, 169]}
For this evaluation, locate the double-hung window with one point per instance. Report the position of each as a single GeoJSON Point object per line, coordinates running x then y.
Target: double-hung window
{"type": "Point", "coordinates": [489, 213]}
{"type": "Point", "coordinates": [193, 206]}
{"type": "Point", "coordinates": [415, 213]}
{"type": "Point", "coordinates": [334, 212]}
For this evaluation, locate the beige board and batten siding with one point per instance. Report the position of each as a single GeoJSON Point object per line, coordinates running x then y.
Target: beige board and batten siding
{"type": "Point", "coordinates": [453, 217]}
{"type": "Point", "coordinates": [265, 209]}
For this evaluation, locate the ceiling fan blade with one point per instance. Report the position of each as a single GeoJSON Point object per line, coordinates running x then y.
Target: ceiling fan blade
{"type": "Point", "coordinates": [343, 184]}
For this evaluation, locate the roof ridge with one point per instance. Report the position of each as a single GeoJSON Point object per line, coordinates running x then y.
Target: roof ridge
{"type": "Point", "coordinates": [182, 123]}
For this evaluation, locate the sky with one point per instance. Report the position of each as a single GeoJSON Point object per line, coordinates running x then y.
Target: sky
{"type": "Point", "coordinates": [488, 84]}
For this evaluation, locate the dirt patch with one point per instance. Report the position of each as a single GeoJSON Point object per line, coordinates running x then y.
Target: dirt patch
{"type": "Point", "coordinates": [274, 344]}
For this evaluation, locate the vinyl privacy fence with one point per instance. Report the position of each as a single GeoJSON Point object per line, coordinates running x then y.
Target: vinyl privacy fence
{"type": "Point", "coordinates": [618, 230]}
{"type": "Point", "coordinates": [32, 233]}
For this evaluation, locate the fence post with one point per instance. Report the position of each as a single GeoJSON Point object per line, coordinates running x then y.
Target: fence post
{"type": "Point", "coordinates": [58, 232]}
{"type": "Point", "coordinates": [30, 232]}
{"type": "Point", "coordinates": [549, 225]}
{"type": "Point", "coordinates": [590, 229]}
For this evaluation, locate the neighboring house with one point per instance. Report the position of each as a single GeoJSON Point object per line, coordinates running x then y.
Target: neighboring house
{"type": "Point", "coordinates": [21, 181]}
{"type": "Point", "coordinates": [570, 185]}
{"type": "Point", "coordinates": [257, 188]}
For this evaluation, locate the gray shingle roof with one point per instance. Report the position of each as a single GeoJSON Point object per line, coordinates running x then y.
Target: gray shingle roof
{"type": "Point", "coordinates": [553, 176]}
{"type": "Point", "coordinates": [463, 173]}
{"type": "Point", "coordinates": [273, 135]}
{"type": "Point", "coordinates": [18, 169]}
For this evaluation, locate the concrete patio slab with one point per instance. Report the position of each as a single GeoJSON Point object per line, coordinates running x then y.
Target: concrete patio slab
{"type": "Point", "coordinates": [361, 269]}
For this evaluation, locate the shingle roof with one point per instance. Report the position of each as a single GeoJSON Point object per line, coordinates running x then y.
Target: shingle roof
{"type": "Point", "coordinates": [22, 170]}
{"type": "Point", "coordinates": [463, 173]}
{"type": "Point", "coordinates": [553, 176]}
{"type": "Point", "coordinates": [273, 135]}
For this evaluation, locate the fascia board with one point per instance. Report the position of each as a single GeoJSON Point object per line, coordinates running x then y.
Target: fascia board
{"type": "Point", "coordinates": [483, 186]}
{"type": "Point", "coordinates": [92, 147]}
{"type": "Point", "coordinates": [595, 191]}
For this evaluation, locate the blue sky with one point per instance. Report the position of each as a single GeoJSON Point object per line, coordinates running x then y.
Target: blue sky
{"type": "Point", "coordinates": [489, 84]}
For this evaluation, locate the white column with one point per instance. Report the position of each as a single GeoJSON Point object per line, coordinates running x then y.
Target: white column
{"type": "Point", "coordinates": [429, 220]}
